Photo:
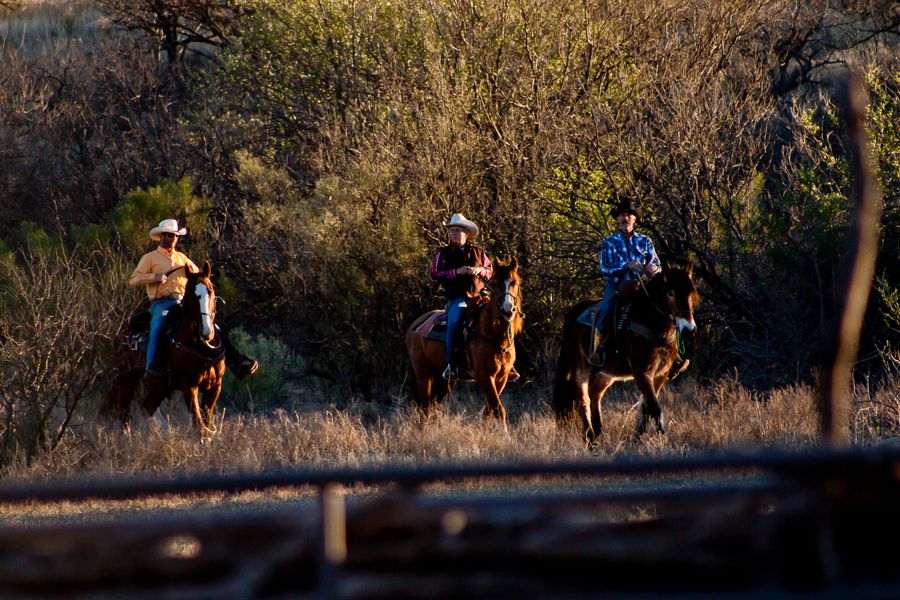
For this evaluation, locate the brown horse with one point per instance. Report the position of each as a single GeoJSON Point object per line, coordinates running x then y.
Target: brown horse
{"type": "Point", "coordinates": [643, 350]}
{"type": "Point", "coordinates": [489, 345]}
{"type": "Point", "coordinates": [195, 355]}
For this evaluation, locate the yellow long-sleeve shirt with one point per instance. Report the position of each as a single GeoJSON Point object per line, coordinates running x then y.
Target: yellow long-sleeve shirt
{"type": "Point", "coordinates": [162, 261]}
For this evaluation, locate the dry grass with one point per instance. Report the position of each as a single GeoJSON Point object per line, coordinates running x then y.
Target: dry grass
{"type": "Point", "coordinates": [354, 433]}
{"type": "Point", "coordinates": [316, 433]}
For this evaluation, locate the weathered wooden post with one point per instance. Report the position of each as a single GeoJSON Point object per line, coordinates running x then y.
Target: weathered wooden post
{"type": "Point", "coordinates": [858, 269]}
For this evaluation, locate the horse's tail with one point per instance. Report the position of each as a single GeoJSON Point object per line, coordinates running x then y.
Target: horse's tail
{"type": "Point", "coordinates": [571, 359]}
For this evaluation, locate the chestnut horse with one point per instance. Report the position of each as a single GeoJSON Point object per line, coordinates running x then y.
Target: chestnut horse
{"type": "Point", "coordinates": [644, 350]}
{"type": "Point", "coordinates": [489, 345]}
{"type": "Point", "coordinates": [195, 356]}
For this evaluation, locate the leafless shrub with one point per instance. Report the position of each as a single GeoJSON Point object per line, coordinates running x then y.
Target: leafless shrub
{"type": "Point", "coordinates": [59, 313]}
{"type": "Point", "coordinates": [88, 116]}
{"type": "Point", "coordinates": [177, 27]}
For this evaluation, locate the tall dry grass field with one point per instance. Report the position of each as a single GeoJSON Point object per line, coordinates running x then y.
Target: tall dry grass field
{"type": "Point", "coordinates": [331, 432]}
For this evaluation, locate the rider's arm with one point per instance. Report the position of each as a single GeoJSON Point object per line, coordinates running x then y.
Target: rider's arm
{"type": "Point", "coordinates": [613, 260]}
{"type": "Point", "coordinates": [654, 259]}
{"type": "Point", "coordinates": [142, 274]}
{"type": "Point", "coordinates": [439, 271]}
{"type": "Point", "coordinates": [487, 268]}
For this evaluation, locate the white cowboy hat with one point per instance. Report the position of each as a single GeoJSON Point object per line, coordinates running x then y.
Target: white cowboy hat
{"type": "Point", "coordinates": [167, 226]}
{"type": "Point", "coordinates": [457, 220]}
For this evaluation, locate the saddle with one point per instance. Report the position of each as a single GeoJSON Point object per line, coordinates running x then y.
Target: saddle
{"type": "Point", "coordinates": [137, 334]}
{"type": "Point", "coordinates": [435, 326]}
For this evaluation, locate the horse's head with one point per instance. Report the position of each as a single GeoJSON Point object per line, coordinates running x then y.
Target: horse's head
{"type": "Point", "coordinates": [507, 288]}
{"type": "Point", "coordinates": [681, 296]}
{"type": "Point", "coordinates": [199, 303]}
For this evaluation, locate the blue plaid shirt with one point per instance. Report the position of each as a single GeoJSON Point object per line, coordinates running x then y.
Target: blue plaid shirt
{"type": "Point", "coordinates": [616, 252]}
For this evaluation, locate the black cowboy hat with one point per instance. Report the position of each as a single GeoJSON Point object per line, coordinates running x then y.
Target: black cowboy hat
{"type": "Point", "coordinates": [627, 207]}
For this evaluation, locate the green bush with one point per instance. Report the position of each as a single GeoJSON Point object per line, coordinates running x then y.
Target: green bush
{"type": "Point", "coordinates": [142, 209]}
{"type": "Point", "coordinates": [279, 369]}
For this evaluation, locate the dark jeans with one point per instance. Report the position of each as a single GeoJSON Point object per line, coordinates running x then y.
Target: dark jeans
{"type": "Point", "coordinates": [604, 314]}
{"type": "Point", "coordinates": [455, 309]}
{"type": "Point", "coordinates": [159, 310]}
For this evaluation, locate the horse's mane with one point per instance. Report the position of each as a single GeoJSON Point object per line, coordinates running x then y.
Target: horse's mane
{"type": "Point", "coordinates": [676, 278]}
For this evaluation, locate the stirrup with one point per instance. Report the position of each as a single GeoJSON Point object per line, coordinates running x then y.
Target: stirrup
{"type": "Point", "coordinates": [449, 373]}
{"type": "Point", "coordinates": [597, 359]}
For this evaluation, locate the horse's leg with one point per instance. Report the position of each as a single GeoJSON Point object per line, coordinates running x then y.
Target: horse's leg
{"type": "Point", "coordinates": [493, 406]}
{"type": "Point", "coordinates": [155, 394]}
{"type": "Point", "coordinates": [501, 383]}
{"type": "Point", "coordinates": [440, 389]}
{"type": "Point", "coordinates": [116, 403]}
{"type": "Point", "coordinates": [192, 399]}
{"type": "Point", "coordinates": [649, 405]}
{"type": "Point", "coordinates": [596, 389]}
{"type": "Point", "coordinates": [432, 389]}
{"type": "Point", "coordinates": [580, 383]}
{"type": "Point", "coordinates": [658, 383]}
{"type": "Point", "coordinates": [208, 405]}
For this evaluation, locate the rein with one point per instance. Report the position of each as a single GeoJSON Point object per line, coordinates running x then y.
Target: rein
{"type": "Point", "coordinates": [208, 359]}
{"type": "Point", "coordinates": [649, 334]}
{"type": "Point", "coordinates": [640, 279]}
{"type": "Point", "coordinates": [167, 273]}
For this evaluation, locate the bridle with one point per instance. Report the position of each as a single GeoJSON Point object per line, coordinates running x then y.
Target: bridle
{"type": "Point", "coordinates": [515, 300]}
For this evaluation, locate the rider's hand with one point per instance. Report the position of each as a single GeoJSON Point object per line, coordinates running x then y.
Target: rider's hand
{"type": "Point", "coordinates": [635, 266]}
{"type": "Point", "coordinates": [652, 269]}
{"type": "Point", "coordinates": [160, 277]}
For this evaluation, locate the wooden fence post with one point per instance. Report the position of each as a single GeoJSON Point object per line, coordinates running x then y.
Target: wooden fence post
{"type": "Point", "coordinates": [857, 271]}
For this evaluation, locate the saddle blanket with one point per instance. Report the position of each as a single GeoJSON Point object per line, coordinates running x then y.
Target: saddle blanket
{"type": "Point", "coordinates": [434, 327]}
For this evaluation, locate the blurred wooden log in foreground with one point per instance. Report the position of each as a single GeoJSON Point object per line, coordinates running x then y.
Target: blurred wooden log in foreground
{"type": "Point", "coordinates": [804, 528]}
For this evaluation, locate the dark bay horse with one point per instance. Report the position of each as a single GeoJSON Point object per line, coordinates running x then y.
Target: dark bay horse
{"type": "Point", "coordinates": [643, 351]}
{"type": "Point", "coordinates": [195, 355]}
{"type": "Point", "coordinates": [489, 345]}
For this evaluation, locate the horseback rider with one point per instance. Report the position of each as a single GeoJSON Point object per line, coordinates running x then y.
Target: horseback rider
{"type": "Point", "coordinates": [624, 255]}
{"type": "Point", "coordinates": [163, 273]}
{"type": "Point", "coordinates": [462, 269]}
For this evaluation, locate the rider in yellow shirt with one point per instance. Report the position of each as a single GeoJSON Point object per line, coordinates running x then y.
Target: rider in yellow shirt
{"type": "Point", "coordinates": [163, 274]}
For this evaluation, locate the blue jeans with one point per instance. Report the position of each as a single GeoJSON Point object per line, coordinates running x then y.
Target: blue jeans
{"type": "Point", "coordinates": [455, 309]}
{"type": "Point", "coordinates": [604, 314]}
{"type": "Point", "coordinates": [159, 310]}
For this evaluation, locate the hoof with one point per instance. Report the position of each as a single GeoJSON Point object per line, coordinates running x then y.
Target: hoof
{"type": "Point", "coordinates": [660, 424]}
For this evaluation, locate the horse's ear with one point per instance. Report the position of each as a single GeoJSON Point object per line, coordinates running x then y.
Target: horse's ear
{"type": "Point", "coordinates": [207, 269]}
{"type": "Point", "coordinates": [513, 264]}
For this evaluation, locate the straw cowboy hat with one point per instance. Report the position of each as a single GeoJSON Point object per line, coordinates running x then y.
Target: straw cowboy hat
{"type": "Point", "coordinates": [625, 206]}
{"type": "Point", "coordinates": [457, 220]}
{"type": "Point", "coordinates": [167, 226]}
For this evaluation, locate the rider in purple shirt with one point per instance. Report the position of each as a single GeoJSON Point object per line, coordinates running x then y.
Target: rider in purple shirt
{"type": "Point", "coordinates": [462, 269]}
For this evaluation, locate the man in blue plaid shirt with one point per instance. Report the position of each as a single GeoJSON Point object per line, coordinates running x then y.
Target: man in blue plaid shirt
{"type": "Point", "coordinates": [623, 255]}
